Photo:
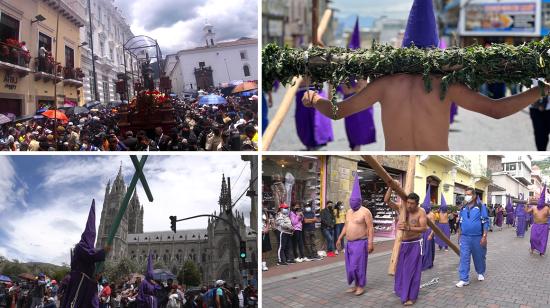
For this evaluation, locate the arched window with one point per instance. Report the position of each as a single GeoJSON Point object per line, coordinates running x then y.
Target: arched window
{"type": "Point", "coordinates": [246, 70]}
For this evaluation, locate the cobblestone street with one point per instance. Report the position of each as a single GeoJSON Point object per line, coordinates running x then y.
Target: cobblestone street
{"type": "Point", "coordinates": [514, 278]}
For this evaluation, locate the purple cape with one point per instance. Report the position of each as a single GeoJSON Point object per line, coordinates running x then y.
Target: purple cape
{"type": "Point", "coordinates": [427, 205]}
{"type": "Point", "coordinates": [409, 270]}
{"type": "Point", "coordinates": [521, 223]}
{"type": "Point", "coordinates": [499, 219]}
{"type": "Point", "coordinates": [314, 128]}
{"type": "Point", "coordinates": [429, 250]}
{"type": "Point", "coordinates": [539, 237]}
{"type": "Point", "coordinates": [447, 230]}
{"type": "Point", "coordinates": [509, 213]}
{"type": "Point", "coordinates": [146, 293]}
{"type": "Point", "coordinates": [82, 288]}
{"type": "Point", "coordinates": [357, 255]}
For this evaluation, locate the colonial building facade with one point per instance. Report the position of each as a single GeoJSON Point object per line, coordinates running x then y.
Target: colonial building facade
{"type": "Point", "coordinates": [214, 249]}
{"type": "Point", "coordinates": [110, 32]}
{"type": "Point", "coordinates": [213, 64]}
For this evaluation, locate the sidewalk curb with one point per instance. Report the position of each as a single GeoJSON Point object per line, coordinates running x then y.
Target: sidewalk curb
{"type": "Point", "coordinates": [300, 273]}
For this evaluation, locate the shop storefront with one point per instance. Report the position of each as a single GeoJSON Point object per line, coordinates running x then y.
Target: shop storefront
{"type": "Point", "coordinates": [373, 190]}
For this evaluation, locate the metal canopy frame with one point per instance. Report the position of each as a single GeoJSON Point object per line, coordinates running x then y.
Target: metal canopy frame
{"type": "Point", "coordinates": [140, 47]}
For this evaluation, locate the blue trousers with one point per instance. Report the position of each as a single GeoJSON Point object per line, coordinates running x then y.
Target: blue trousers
{"type": "Point", "coordinates": [329, 233]}
{"type": "Point", "coordinates": [337, 230]}
{"type": "Point", "coordinates": [469, 246]}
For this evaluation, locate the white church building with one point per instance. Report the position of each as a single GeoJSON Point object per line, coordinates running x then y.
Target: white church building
{"type": "Point", "coordinates": [213, 64]}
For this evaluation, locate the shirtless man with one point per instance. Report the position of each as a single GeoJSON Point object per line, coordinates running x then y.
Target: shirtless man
{"type": "Point", "coordinates": [359, 232]}
{"type": "Point", "coordinates": [409, 264]}
{"type": "Point", "coordinates": [414, 120]}
{"type": "Point", "coordinates": [539, 231]}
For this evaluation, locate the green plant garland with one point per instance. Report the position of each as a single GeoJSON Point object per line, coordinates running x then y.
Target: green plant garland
{"type": "Point", "coordinates": [471, 66]}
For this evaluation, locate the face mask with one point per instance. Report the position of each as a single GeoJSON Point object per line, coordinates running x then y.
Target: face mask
{"type": "Point", "coordinates": [468, 198]}
{"type": "Point", "coordinates": [285, 211]}
{"type": "Point", "coordinates": [308, 209]}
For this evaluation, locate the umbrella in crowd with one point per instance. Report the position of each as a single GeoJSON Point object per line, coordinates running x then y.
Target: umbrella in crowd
{"type": "Point", "coordinates": [92, 104]}
{"type": "Point", "coordinates": [245, 87]}
{"type": "Point", "coordinates": [41, 110]}
{"type": "Point", "coordinates": [161, 274]}
{"type": "Point", "coordinates": [212, 100]}
{"type": "Point", "coordinates": [52, 114]}
{"type": "Point", "coordinates": [4, 278]}
{"type": "Point", "coordinates": [77, 110]}
{"type": "Point", "coordinates": [4, 119]}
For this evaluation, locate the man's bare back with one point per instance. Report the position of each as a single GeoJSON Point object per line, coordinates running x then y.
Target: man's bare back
{"type": "Point", "coordinates": [414, 119]}
{"type": "Point", "coordinates": [358, 224]}
{"type": "Point", "coordinates": [540, 216]}
{"type": "Point", "coordinates": [443, 218]}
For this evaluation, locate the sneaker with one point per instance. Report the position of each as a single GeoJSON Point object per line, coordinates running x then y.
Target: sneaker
{"type": "Point", "coordinates": [291, 261]}
{"type": "Point", "coordinates": [461, 283]}
{"type": "Point", "coordinates": [480, 277]}
{"type": "Point", "coordinates": [306, 259]}
{"type": "Point", "coordinates": [264, 266]}
{"type": "Point", "coordinates": [331, 254]}
{"type": "Point", "coordinates": [282, 263]}
{"type": "Point", "coordinates": [299, 260]}
{"type": "Point", "coordinates": [336, 252]}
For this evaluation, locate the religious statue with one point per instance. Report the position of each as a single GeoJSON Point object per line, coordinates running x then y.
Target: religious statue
{"type": "Point", "coordinates": [147, 72]}
{"type": "Point", "coordinates": [279, 190]}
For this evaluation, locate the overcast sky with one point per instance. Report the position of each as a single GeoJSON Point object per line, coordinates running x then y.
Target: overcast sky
{"type": "Point", "coordinates": [374, 8]}
{"type": "Point", "coordinates": [44, 200]}
{"type": "Point", "coordinates": [177, 24]}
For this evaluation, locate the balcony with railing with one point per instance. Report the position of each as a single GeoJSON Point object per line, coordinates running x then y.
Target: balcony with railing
{"type": "Point", "coordinates": [73, 76]}
{"type": "Point", "coordinates": [47, 69]}
{"type": "Point", "coordinates": [14, 58]}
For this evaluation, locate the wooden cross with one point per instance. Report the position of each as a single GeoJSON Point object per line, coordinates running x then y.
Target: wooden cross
{"type": "Point", "coordinates": [403, 192]}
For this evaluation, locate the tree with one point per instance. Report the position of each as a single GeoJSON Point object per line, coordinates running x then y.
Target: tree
{"type": "Point", "coordinates": [120, 270]}
{"type": "Point", "coordinates": [13, 269]}
{"type": "Point", "coordinates": [189, 274]}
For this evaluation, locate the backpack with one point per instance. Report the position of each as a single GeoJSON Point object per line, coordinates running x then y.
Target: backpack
{"type": "Point", "coordinates": [210, 296]}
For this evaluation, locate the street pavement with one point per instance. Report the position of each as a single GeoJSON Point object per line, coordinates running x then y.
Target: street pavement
{"type": "Point", "coordinates": [514, 278]}
{"type": "Point", "coordinates": [471, 131]}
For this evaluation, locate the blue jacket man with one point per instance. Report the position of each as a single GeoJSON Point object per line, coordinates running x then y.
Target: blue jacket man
{"type": "Point", "coordinates": [472, 237]}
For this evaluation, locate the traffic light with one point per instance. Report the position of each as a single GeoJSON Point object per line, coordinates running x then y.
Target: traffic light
{"type": "Point", "coordinates": [173, 223]}
{"type": "Point", "coordinates": [243, 251]}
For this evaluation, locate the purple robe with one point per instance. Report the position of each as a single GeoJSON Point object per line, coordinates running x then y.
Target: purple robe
{"type": "Point", "coordinates": [447, 231]}
{"type": "Point", "coordinates": [520, 218]}
{"type": "Point", "coordinates": [539, 237]}
{"type": "Point", "coordinates": [314, 128]}
{"type": "Point", "coordinates": [409, 270]}
{"type": "Point", "coordinates": [428, 249]}
{"type": "Point", "coordinates": [146, 295]}
{"type": "Point", "coordinates": [357, 255]}
{"type": "Point", "coordinates": [509, 215]}
{"type": "Point", "coordinates": [81, 290]}
{"type": "Point", "coordinates": [500, 219]}
{"type": "Point", "coordinates": [360, 127]}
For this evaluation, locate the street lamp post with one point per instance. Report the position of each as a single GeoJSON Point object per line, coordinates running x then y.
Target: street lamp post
{"type": "Point", "coordinates": [96, 95]}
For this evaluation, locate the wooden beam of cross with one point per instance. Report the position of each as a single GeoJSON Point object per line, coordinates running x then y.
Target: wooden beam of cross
{"type": "Point", "coordinates": [382, 173]}
{"type": "Point", "coordinates": [138, 175]}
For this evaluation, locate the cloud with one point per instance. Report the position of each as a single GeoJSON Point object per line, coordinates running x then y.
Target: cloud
{"type": "Point", "coordinates": [12, 189]}
{"type": "Point", "coordinates": [52, 223]}
{"type": "Point", "coordinates": [390, 8]}
{"type": "Point", "coordinates": [177, 24]}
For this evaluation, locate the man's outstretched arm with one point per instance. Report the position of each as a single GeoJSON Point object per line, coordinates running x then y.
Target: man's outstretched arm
{"type": "Point", "coordinates": [371, 94]}
{"type": "Point", "coordinates": [494, 108]}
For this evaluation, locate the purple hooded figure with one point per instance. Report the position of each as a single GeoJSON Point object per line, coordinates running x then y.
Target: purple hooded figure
{"type": "Point", "coordinates": [443, 226]}
{"type": "Point", "coordinates": [421, 32]}
{"type": "Point", "coordinates": [81, 290]}
{"type": "Point", "coordinates": [539, 231]}
{"type": "Point", "coordinates": [428, 244]}
{"type": "Point", "coordinates": [360, 127]}
{"type": "Point", "coordinates": [357, 251]}
{"type": "Point", "coordinates": [520, 220]}
{"type": "Point", "coordinates": [314, 128]}
{"type": "Point", "coordinates": [509, 213]}
{"type": "Point", "coordinates": [146, 295]}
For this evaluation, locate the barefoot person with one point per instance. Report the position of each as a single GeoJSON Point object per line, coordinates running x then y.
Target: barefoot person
{"type": "Point", "coordinates": [539, 231]}
{"type": "Point", "coordinates": [406, 104]}
{"type": "Point", "coordinates": [359, 233]}
{"type": "Point", "coordinates": [428, 235]}
{"type": "Point", "coordinates": [409, 264]}
{"type": "Point", "coordinates": [443, 224]}
{"type": "Point", "coordinates": [472, 236]}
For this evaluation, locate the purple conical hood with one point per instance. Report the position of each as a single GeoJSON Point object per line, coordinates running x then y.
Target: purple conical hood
{"type": "Point", "coordinates": [443, 206]}
{"type": "Point", "coordinates": [542, 199]}
{"type": "Point", "coordinates": [421, 27]}
{"type": "Point", "coordinates": [509, 207]}
{"type": "Point", "coordinates": [149, 273]}
{"type": "Point", "coordinates": [87, 240]}
{"type": "Point", "coordinates": [427, 204]}
{"type": "Point", "coordinates": [355, 39]}
{"type": "Point", "coordinates": [355, 198]}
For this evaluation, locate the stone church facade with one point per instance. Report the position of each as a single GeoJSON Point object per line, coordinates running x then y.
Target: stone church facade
{"type": "Point", "coordinates": [215, 250]}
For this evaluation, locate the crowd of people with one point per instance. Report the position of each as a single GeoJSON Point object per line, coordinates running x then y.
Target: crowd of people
{"type": "Point", "coordinates": [44, 292]}
{"type": "Point", "coordinates": [228, 127]}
